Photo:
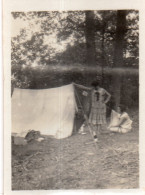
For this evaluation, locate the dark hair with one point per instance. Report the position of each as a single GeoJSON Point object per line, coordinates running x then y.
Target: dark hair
{"type": "Point", "coordinates": [122, 108]}
{"type": "Point", "coordinates": [95, 83]}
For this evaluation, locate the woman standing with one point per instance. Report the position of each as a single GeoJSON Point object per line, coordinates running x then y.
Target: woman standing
{"type": "Point", "coordinates": [99, 99]}
{"type": "Point", "coordinates": [97, 116]}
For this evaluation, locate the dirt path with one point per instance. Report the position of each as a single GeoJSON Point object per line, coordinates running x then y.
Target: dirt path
{"type": "Point", "coordinates": [72, 164]}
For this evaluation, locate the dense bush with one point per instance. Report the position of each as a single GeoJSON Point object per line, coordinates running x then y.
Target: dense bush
{"type": "Point", "coordinates": [43, 78]}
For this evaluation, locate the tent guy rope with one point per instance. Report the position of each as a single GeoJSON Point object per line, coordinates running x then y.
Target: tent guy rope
{"type": "Point", "coordinates": [86, 119]}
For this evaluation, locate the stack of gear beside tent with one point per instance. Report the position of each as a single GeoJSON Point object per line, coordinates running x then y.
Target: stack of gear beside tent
{"type": "Point", "coordinates": [49, 111]}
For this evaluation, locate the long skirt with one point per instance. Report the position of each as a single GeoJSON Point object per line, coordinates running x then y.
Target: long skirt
{"type": "Point", "coordinates": [98, 114]}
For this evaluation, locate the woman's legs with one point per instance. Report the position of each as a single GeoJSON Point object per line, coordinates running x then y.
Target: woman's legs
{"type": "Point", "coordinates": [94, 133]}
{"type": "Point", "coordinates": [119, 130]}
{"type": "Point", "coordinates": [114, 129]}
{"type": "Point", "coordinates": [98, 128]}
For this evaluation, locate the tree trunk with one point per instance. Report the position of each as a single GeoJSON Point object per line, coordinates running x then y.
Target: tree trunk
{"type": "Point", "coordinates": [119, 42]}
{"type": "Point", "coordinates": [90, 38]}
{"type": "Point", "coordinates": [116, 83]}
{"type": "Point", "coordinates": [118, 53]}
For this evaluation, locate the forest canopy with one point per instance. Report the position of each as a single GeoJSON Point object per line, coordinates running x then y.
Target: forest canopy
{"type": "Point", "coordinates": [50, 49]}
{"type": "Point", "coordinates": [47, 38]}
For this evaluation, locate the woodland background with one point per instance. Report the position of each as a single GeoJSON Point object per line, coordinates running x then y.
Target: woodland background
{"type": "Point", "coordinates": [51, 49]}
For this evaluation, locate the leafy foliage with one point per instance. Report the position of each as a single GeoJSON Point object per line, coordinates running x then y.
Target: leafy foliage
{"type": "Point", "coordinates": [50, 38]}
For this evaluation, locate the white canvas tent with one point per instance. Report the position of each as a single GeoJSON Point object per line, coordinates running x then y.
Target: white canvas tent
{"type": "Point", "coordinates": [50, 111]}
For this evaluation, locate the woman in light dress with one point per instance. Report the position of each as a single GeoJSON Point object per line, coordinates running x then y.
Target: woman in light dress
{"type": "Point", "coordinates": [99, 99]}
{"type": "Point", "coordinates": [97, 118]}
{"type": "Point", "coordinates": [122, 121]}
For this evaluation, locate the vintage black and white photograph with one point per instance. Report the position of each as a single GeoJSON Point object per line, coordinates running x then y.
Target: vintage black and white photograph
{"type": "Point", "coordinates": [75, 99]}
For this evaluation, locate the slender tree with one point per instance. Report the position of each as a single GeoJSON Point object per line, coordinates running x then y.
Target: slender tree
{"type": "Point", "coordinates": [118, 53]}
{"type": "Point", "coordinates": [90, 37]}
{"type": "Point", "coordinates": [119, 41]}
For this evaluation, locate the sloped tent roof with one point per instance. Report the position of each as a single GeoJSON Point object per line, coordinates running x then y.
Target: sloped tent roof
{"type": "Point", "coordinates": [50, 111]}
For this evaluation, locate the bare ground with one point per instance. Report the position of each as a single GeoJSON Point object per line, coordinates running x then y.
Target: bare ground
{"type": "Point", "coordinates": [72, 163]}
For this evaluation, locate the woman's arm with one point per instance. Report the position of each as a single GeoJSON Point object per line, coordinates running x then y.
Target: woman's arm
{"type": "Point", "coordinates": [82, 87]}
{"type": "Point", "coordinates": [122, 120]}
{"type": "Point", "coordinates": [108, 97]}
